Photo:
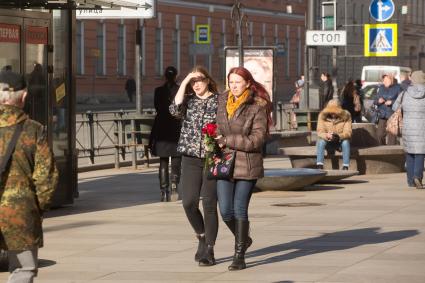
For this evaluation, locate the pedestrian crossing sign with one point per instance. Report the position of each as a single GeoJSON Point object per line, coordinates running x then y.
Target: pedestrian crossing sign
{"type": "Point", "coordinates": [380, 40]}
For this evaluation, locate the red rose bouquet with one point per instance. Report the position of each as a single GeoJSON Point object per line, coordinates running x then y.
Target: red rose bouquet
{"type": "Point", "coordinates": [211, 147]}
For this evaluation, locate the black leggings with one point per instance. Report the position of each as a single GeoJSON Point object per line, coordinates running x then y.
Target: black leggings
{"type": "Point", "coordinates": [194, 184]}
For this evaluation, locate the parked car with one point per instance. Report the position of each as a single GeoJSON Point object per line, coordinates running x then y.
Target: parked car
{"type": "Point", "coordinates": [368, 94]}
{"type": "Point", "coordinates": [372, 74]}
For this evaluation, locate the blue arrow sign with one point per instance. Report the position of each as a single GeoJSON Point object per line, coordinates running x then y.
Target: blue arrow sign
{"type": "Point", "coordinates": [381, 10]}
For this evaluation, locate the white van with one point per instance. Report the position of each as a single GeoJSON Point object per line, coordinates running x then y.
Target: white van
{"type": "Point", "coordinates": [372, 74]}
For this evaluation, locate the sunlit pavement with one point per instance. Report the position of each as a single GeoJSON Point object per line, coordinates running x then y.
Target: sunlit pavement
{"type": "Point", "coordinates": [366, 229]}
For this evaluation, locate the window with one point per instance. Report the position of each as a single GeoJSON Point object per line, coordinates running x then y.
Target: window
{"type": "Point", "coordinates": [80, 47]}
{"type": "Point", "coordinates": [121, 66]}
{"type": "Point", "coordinates": [158, 51]}
{"type": "Point", "coordinates": [176, 48]}
{"type": "Point", "coordinates": [100, 53]}
{"type": "Point", "coordinates": [192, 58]}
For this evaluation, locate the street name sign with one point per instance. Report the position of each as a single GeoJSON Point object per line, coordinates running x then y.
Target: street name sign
{"type": "Point", "coordinates": [146, 10]}
{"type": "Point", "coordinates": [326, 38]}
{"type": "Point", "coordinates": [380, 40]}
{"type": "Point", "coordinates": [381, 10]}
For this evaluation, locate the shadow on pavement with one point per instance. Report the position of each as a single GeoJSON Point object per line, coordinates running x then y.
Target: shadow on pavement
{"type": "Point", "coordinates": [45, 263]}
{"type": "Point", "coordinates": [110, 192]}
{"type": "Point", "coordinates": [342, 240]}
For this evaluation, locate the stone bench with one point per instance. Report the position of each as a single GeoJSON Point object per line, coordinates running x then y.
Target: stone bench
{"type": "Point", "coordinates": [367, 160]}
{"type": "Point", "coordinates": [287, 139]}
{"type": "Point", "coordinates": [289, 179]}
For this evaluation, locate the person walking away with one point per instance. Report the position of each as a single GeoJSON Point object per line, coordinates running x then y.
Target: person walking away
{"type": "Point", "coordinates": [27, 182]}
{"type": "Point", "coordinates": [333, 133]}
{"type": "Point", "coordinates": [165, 135]}
{"type": "Point", "coordinates": [326, 89]}
{"type": "Point", "coordinates": [130, 88]}
{"type": "Point", "coordinates": [243, 120]}
{"type": "Point", "coordinates": [351, 102]}
{"type": "Point", "coordinates": [196, 102]}
{"type": "Point", "coordinates": [387, 95]}
{"type": "Point", "coordinates": [405, 81]}
{"type": "Point", "coordinates": [412, 103]}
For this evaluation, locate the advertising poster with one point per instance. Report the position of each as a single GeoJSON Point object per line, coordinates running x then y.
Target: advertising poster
{"type": "Point", "coordinates": [258, 60]}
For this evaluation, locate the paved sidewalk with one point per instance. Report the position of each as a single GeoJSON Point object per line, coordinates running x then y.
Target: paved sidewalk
{"type": "Point", "coordinates": [367, 229]}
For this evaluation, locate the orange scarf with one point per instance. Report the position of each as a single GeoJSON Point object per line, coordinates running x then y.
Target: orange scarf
{"type": "Point", "coordinates": [234, 103]}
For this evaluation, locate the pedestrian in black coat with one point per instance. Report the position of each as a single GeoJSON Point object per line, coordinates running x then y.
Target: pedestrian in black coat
{"type": "Point", "coordinates": [326, 90]}
{"type": "Point", "coordinates": [165, 136]}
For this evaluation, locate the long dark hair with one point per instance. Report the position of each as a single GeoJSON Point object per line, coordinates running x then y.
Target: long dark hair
{"type": "Point", "coordinates": [212, 85]}
{"type": "Point", "coordinates": [257, 90]}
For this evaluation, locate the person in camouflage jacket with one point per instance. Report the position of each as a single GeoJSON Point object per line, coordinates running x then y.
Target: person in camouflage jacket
{"type": "Point", "coordinates": [27, 184]}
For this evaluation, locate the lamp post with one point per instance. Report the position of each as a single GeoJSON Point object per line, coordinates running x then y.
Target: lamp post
{"type": "Point", "coordinates": [239, 18]}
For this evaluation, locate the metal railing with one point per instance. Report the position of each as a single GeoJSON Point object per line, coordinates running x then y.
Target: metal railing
{"type": "Point", "coordinates": [115, 133]}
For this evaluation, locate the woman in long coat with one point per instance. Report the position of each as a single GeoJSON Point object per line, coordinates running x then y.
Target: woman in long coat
{"type": "Point", "coordinates": [413, 106]}
{"type": "Point", "coordinates": [165, 135]}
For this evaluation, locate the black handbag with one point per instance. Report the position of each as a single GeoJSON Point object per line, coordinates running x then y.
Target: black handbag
{"type": "Point", "coordinates": [224, 164]}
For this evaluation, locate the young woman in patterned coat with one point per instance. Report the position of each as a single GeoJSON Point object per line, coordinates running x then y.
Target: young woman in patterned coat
{"type": "Point", "coordinates": [196, 103]}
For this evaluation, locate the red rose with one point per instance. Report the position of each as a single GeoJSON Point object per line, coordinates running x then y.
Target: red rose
{"type": "Point", "coordinates": [211, 129]}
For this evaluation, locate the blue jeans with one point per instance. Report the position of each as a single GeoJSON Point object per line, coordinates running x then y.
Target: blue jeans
{"type": "Point", "coordinates": [414, 167]}
{"type": "Point", "coordinates": [233, 198]}
{"type": "Point", "coordinates": [323, 144]}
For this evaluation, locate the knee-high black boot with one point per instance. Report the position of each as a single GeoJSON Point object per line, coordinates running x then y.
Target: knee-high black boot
{"type": "Point", "coordinates": [175, 177]}
{"type": "Point", "coordinates": [232, 227]}
{"type": "Point", "coordinates": [164, 183]}
{"type": "Point", "coordinates": [241, 238]}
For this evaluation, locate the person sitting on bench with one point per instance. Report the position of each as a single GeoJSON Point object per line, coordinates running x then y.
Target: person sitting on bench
{"type": "Point", "coordinates": [333, 133]}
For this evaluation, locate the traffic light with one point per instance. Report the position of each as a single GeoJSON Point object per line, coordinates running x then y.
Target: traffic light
{"type": "Point", "coordinates": [329, 15]}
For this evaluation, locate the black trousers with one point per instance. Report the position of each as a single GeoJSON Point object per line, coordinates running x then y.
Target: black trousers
{"type": "Point", "coordinates": [195, 185]}
{"type": "Point", "coordinates": [163, 170]}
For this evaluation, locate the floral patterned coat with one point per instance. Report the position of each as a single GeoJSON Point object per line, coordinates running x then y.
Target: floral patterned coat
{"type": "Point", "coordinates": [196, 113]}
{"type": "Point", "coordinates": [27, 185]}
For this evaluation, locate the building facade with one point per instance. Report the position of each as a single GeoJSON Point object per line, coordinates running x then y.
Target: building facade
{"type": "Point", "coordinates": [106, 48]}
{"type": "Point", "coordinates": [353, 15]}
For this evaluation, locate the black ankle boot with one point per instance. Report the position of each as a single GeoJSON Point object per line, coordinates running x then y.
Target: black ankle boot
{"type": "Point", "coordinates": [163, 195]}
{"type": "Point", "coordinates": [202, 247]}
{"type": "Point", "coordinates": [208, 258]}
{"type": "Point", "coordinates": [232, 227]}
{"type": "Point", "coordinates": [241, 238]}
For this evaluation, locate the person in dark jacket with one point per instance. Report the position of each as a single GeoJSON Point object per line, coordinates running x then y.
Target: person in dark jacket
{"type": "Point", "coordinates": [130, 88]}
{"type": "Point", "coordinates": [387, 95]}
{"type": "Point", "coordinates": [196, 103]}
{"type": "Point", "coordinates": [326, 89]}
{"type": "Point", "coordinates": [351, 101]}
{"type": "Point", "coordinates": [165, 135]}
{"type": "Point", "coordinates": [243, 120]}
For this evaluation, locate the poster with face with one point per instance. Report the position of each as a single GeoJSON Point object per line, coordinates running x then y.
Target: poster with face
{"type": "Point", "coordinates": [259, 61]}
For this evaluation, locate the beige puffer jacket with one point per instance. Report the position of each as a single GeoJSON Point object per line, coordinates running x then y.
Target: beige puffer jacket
{"type": "Point", "coordinates": [340, 125]}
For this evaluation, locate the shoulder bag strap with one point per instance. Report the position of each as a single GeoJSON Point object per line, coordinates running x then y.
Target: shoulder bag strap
{"type": "Point", "coordinates": [10, 148]}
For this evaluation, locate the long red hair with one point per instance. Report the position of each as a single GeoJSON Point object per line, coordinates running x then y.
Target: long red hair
{"type": "Point", "coordinates": [257, 90]}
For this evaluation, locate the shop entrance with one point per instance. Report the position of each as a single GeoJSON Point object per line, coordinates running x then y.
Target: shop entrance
{"type": "Point", "coordinates": [27, 47]}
